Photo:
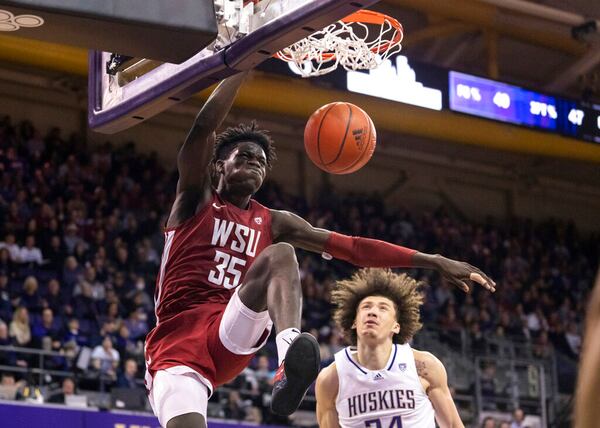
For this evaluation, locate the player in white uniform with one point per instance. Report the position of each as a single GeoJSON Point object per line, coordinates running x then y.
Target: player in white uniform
{"type": "Point", "coordinates": [382, 382]}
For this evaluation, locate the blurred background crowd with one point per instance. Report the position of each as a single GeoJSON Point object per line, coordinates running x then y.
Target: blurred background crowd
{"type": "Point", "coordinates": [81, 241]}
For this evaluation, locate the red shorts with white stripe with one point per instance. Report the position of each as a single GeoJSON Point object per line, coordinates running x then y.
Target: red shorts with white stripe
{"type": "Point", "coordinates": [214, 341]}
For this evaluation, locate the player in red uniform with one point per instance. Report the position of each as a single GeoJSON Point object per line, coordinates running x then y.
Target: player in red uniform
{"type": "Point", "coordinates": [229, 273]}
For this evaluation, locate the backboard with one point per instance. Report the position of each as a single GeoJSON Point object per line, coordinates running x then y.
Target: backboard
{"type": "Point", "coordinates": [125, 91]}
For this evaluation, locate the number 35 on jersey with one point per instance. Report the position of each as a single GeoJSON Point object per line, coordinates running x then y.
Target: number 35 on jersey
{"type": "Point", "coordinates": [239, 239]}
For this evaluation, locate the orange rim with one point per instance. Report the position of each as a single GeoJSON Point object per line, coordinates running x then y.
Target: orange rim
{"type": "Point", "coordinates": [365, 16]}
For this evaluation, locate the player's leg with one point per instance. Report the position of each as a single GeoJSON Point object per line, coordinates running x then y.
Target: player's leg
{"type": "Point", "coordinates": [272, 288]}
{"type": "Point", "coordinates": [273, 283]}
{"type": "Point", "coordinates": [189, 420]}
{"type": "Point", "coordinates": [179, 400]}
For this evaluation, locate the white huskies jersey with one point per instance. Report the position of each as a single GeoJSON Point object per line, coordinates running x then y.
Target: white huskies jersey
{"type": "Point", "coordinates": [389, 398]}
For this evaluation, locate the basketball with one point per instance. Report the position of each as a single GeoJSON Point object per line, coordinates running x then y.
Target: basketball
{"type": "Point", "coordinates": [339, 138]}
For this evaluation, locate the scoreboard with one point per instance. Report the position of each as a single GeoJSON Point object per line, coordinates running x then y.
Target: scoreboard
{"type": "Point", "coordinates": [410, 82]}
{"type": "Point", "coordinates": [507, 103]}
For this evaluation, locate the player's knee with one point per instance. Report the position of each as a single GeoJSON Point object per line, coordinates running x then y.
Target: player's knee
{"type": "Point", "coordinates": [188, 420]}
{"type": "Point", "coordinates": [282, 254]}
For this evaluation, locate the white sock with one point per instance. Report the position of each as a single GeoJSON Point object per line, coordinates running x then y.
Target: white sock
{"type": "Point", "coordinates": [283, 340]}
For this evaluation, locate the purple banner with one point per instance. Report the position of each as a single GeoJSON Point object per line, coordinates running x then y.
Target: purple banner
{"type": "Point", "coordinates": [22, 415]}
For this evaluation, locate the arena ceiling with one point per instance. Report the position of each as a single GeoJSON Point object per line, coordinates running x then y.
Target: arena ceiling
{"type": "Point", "coordinates": [543, 44]}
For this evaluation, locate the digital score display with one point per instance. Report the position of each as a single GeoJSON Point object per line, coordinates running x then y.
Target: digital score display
{"type": "Point", "coordinates": [588, 121]}
{"type": "Point", "coordinates": [500, 101]}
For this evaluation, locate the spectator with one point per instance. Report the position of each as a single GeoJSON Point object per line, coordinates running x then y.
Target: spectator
{"type": "Point", "coordinates": [504, 424]}
{"type": "Point", "coordinates": [19, 327]}
{"type": "Point", "coordinates": [5, 303]}
{"type": "Point", "coordinates": [128, 377]}
{"type": "Point", "coordinates": [126, 346]}
{"type": "Point", "coordinates": [71, 238]}
{"type": "Point", "coordinates": [101, 266]}
{"type": "Point", "coordinates": [139, 297]}
{"type": "Point", "coordinates": [235, 407]}
{"type": "Point", "coordinates": [109, 328]}
{"type": "Point", "coordinates": [573, 339]}
{"type": "Point", "coordinates": [112, 311]}
{"type": "Point", "coordinates": [7, 358]}
{"type": "Point", "coordinates": [122, 260]}
{"type": "Point", "coordinates": [536, 321]}
{"type": "Point", "coordinates": [121, 286]}
{"type": "Point", "coordinates": [55, 254]}
{"type": "Point", "coordinates": [477, 339]}
{"type": "Point", "coordinates": [7, 266]}
{"type": "Point", "coordinates": [30, 297]}
{"type": "Point", "coordinates": [68, 388]}
{"type": "Point", "coordinates": [74, 335]}
{"type": "Point", "coordinates": [54, 298]}
{"type": "Point", "coordinates": [46, 327]}
{"type": "Point", "coordinates": [105, 358]}
{"type": "Point", "coordinates": [30, 254]}
{"type": "Point", "coordinates": [518, 419]}
{"type": "Point", "coordinates": [542, 346]}
{"type": "Point", "coordinates": [85, 306]}
{"type": "Point", "coordinates": [8, 379]}
{"type": "Point", "coordinates": [13, 248]}
{"type": "Point", "coordinates": [72, 272]}
{"type": "Point", "coordinates": [9, 386]}
{"type": "Point", "coordinates": [263, 373]}
{"type": "Point", "coordinates": [137, 324]}
{"type": "Point", "coordinates": [488, 422]}
{"type": "Point", "coordinates": [89, 277]}
{"type": "Point", "coordinates": [488, 386]}
{"type": "Point", "coordinates": [81, 253]}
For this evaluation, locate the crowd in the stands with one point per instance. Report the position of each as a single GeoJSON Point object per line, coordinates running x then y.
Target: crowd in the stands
{"type": "Point", "coordinates": [81, 241]}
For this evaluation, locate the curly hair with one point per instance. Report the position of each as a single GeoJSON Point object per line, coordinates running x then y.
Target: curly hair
{"type": "Point", "coordinates": [401, 289]}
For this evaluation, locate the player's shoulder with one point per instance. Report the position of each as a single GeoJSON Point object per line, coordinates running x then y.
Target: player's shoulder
{"type": "Point", "coordinates": [425, 356]}
{"type": "Point", "coordinates": [279, 213]}
{"type": "Point", "coordinates": [328, 373]}
{"type": "Point", "coordinates": [328, 381]}
{"type": "Point", "coordinates": [281, 220]}
{"type": "Point", "coordinates": [428, 365]}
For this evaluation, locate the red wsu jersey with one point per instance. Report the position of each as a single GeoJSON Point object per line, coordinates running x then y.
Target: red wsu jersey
{"type": "Point", "coordinates": [206, 257]}
{"type": "Point", "coordinates": [203, 261]}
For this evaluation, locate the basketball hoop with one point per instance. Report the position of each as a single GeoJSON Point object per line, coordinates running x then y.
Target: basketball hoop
{"type": "Point", "coordinates": [360, 41]}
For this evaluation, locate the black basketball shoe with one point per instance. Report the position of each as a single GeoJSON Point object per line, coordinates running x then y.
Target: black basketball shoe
{"type": "Point", "coordinates": [295, 374]}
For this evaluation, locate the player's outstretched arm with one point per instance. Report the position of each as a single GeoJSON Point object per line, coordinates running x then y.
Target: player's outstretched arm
{"type": "Point", "coordinates": [326, 391]}
{"type": "Point", "coordinates": [587, 411]}
{"type": "Point", "coordinates": [196, 152]}
{"type": "Point", "coordinates": [366, 252]}
{"type": "Point", "coordinates": [433, 372]}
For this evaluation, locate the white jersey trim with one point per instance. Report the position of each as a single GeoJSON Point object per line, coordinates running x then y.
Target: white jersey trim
{"type": "Point", "coordinates": [364, 370]}
{"type": "Point", "coordinates": [169, 238]}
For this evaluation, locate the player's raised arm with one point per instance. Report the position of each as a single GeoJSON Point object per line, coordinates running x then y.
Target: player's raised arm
{"type": "Point", "coordinates": [195, 154]}
{"type": "Point", "coordinates": [326, 390]}
{"type": "Point", "coordinates": [366, 252]}
{"type": "Point", "coordinates": [433, 372]}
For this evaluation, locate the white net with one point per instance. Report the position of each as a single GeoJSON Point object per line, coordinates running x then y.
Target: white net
{"type": "Point", "coordinates": [353, 45]}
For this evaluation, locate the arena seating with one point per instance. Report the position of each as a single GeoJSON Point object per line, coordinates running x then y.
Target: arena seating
{"type": "Point", "coordinates": [81, 241]}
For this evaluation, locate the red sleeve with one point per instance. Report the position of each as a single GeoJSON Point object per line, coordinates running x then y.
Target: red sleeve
{"type": "Point", "coordinates": [367, 252]}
